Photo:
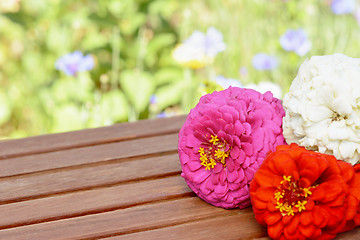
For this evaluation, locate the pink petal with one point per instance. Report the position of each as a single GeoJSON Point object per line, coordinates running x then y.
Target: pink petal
{"type": "Point", "coordinates": [242, 192]}
{"type": "Point", "coordinates": [229, 129]}
{"type": "Point", "coordinates": [249, 173]}
{"type": "Point", "coordinates": [203, 187]}
{"type": "Point", "coordinates": [230, 165]}
{"type": "Point", "coordinates": [220, 123]}
{"type": "Point", "coordinates": [239, 128]}
{"type": "Point", "coordinates": [232, 176]}
{"type": "Point", "coordinates": [211, 124]}
{"type": "Point", "coordinates": [258, 140]}
{"type": "Point", "coordinates": [215, 179]}
{"type": "Point", "coordinates": [228, 117]}
{"type": "Point", "coordinates": [247, 147]}
{"type": "Point", "coordinates": [200, 175]}
{"type": "Point", "coordinates": [221, 134]}
{"type": "Point", "coordinates": [193, 165]}
{"type": "Point", "coordinates": [246, 163]}
{"type": "Point", "coordinates": [218, 168]}
{"type": "Point", "coordinates": [247, 128]}
{"type": "Point", "coordinates": [236, 141]}
{"type": "Point", "coordinates": [235, 152]}
{"type": "Point", "coordinates": [234, 186]}
{"type": "Point", "coordinates": [221, 190]}
{"type": "Point", "coordinates": [222, 178]}
{"type": "Point", "coordinates": [241, 176]}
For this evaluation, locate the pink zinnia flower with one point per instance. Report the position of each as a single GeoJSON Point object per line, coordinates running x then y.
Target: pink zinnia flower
{"type": "Point", "coordinates": [224, 140]}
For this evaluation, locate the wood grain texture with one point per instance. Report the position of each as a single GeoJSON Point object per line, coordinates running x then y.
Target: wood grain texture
{"type": "Point", "coordinates": [66, 180]}
{"type": "Point", "coordinates": [88, 155]}
{"type": "Point", "coordinates": [123, 221]}
{"type": "Point", "coordinates": [93, 201]}
{"type": "Point", "coordinates": [240, 226]}
{"type": "Point", "coordinates": [115, 133]}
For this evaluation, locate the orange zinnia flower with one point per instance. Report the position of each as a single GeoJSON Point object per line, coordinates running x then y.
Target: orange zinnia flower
{"type": "Point", "coordinates": [301, 194]}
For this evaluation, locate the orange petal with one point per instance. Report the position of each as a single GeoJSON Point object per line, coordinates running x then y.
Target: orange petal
{"type": "Point", "coordinates": [272, 218]}
{"type": "Point", "coordinates": [291, 236]}
{"type": "Point", "coordinates": [328, 191]}
{"type": "Point", "coordinates": [354, 185]}
{"type": "Point", "coordinates": [282, 147]}
{"type": "Point", "coordinates": [292, 226]}
{"type": "Point", "coordinates": [357, 168]}
{"type": "Point", "coordinates": [284, 164]}
{"type": "Point", "coordinates": [271, 206]}
{"type": "Point", "coordinates": [286, 219]}
{"type": "Point", "coordinates": [276, 230]}
{"type": "Point", "coordinates": [320, 217]}
{"type": "Point", "coordinates": [312, 166]}
{"type": "Point", "coordinates": [338, 201]}
{"type": "Point", "coordinates": [264, 178]}
{"type": "Point", "coordinates": [258, 204]}
{"type": "Point", "coordinates": [265, 193]}
{"type": "Point", "coordinates": [347, 170]}
{"type": "Point", "coordinates": [307, 231]}
{"type": "Point", "coordinates": [306, 218]}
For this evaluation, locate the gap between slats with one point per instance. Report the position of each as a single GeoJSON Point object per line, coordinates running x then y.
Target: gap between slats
{"type": "Point", "coordinates": [89, 137]}
{"type": "Point", "coordinates": [231, 227]}
{"type": "Point", "coordinates": [86, 178]}
{"type": "Point", "coordinates": [148, 216]}
{"type": "Point", "coordinates": [91, 164]}
{"type": "Point", "coordinates": [93, 201]}
{"type": "Point", "coordinates": [88, 155]}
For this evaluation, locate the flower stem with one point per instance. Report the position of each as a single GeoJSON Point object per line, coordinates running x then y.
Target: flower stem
{"type": "Point", "coordinates": [115, 66]}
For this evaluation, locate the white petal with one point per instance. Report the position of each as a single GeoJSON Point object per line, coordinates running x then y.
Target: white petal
{"type": "Point", "coordinates": [347, 149]}
{"type": "Point", "coordinates": [338, 130]}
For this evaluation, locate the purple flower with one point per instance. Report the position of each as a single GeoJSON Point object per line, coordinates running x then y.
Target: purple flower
{"type": "Point", "coordinates": [210, 43]}
{"type": "Point", "coordinates": [227, 82]}
{"type": "Point", "coordinates": [342, 6]}
{"type": "Point", "coordinates": [72, 63]}
{"type": "Point", "coordinates": [262, 61]}
{"type": "Point", "coordinates": [295, 40]}
{"type": "Point", "coordinates": [153, 99]}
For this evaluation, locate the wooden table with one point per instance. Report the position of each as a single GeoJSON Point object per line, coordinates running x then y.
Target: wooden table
{"type": "Point", "coordinates": [118, 182]}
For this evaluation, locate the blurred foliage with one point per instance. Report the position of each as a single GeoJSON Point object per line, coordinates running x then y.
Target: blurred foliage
{"type": "Point", "coordinates": [131, 42]}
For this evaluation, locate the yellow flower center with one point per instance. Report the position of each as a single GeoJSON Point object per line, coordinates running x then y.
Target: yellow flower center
{"type": "Point", "coordinates": [290, 198]}
{"type": "Point", "coordinates": [213, 152]}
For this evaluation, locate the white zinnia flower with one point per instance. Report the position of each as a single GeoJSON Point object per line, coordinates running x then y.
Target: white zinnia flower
{"type": "Point", "coordinates": [323, 107]}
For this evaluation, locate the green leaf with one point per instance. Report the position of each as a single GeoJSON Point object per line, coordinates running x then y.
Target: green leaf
{"type": "Point", "coordinates": [68, 117]}
{"type": "Point", "coordinates": [138, 87]}
{"type": "Point", "coordinates": [94, 40]}
{"type": "Point", "coordinates": [71, 89]}
{"type": "Point", "coordinates": [168, 75]}
{"type": "Point", "coordinates": [58, 38]}
{"type": "Point", "coordinates": [129, 26]}
{"type": "Point", "coordinates": [114, 107]}
{"type": "Point", "coordinates": [169, 95]}
{"type": "Point", "coordinates": [160, 41]}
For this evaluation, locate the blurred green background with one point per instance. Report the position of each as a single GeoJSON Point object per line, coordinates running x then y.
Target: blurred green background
{"type": "Point", "coordinates": [135, 76]}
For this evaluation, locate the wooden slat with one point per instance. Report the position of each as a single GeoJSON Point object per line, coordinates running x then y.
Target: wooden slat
{"type": "Point", "coordinates": [227, 227]}
{"type": "Point", "coordinates": [37, 185]}
{"type": "Point", "coordinates": [119, 132]}
{"type": "Point", "coordinates": [92, 201]}
{"type": "Point", "coordinates": [240, 226]}
{"type": "Point", "coordinates": [86, 155]}
{"type": "Point", "coordinates": [139, 218]}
